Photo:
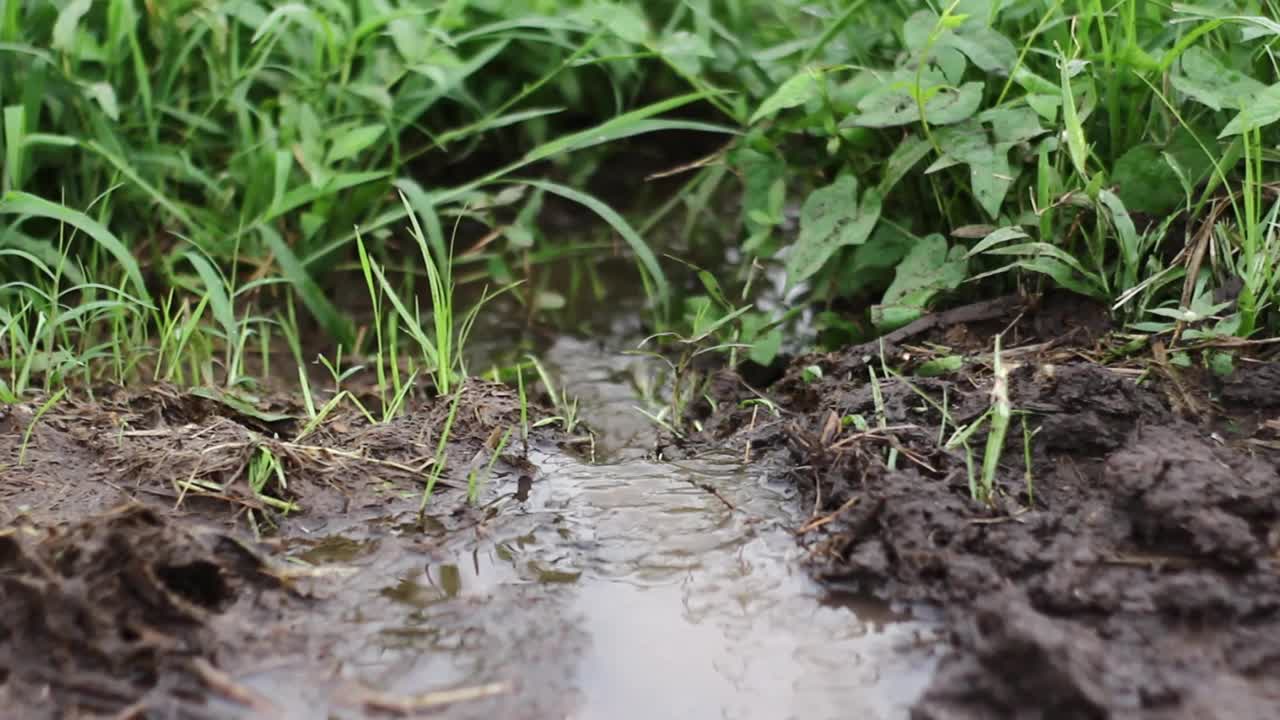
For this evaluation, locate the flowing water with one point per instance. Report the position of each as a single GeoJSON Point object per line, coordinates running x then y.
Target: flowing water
{"type": "Point", "coordinates": [622, 588]}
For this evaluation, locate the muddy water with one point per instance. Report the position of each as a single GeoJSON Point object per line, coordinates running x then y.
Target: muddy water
{"type": "Point", "coordinates": [619, 589]}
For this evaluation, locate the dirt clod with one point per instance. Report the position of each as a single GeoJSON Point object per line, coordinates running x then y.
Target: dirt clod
{"type": "Point", "coordinates": [131, 579]}
{"type": "Point", "coordinates": [115, 608]}
{"type": "Point", "coordinates": [1127, 566]}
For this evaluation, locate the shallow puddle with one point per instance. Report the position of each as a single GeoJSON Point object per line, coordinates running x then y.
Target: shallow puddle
{"type": "Point", "coordinates": [621, 589]}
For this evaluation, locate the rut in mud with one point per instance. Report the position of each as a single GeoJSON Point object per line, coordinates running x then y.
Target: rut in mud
{"type": "Point", "coordinates": [1130, 572]}
{"type": "Point", "coordinates": [568, 589]}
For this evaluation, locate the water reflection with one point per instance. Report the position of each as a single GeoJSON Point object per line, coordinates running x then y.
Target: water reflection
{"type": "Point", "coordinates": [618, 590]}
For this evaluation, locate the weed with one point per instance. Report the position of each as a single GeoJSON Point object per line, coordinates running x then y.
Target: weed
{"type": "Point", "coordinates": [476, 477]}
{"type": "Point", "coordinates": [999, 425]}
{"type": "Point", "coordinates": [45, 407]}
{"type": "Point", "coordinates": [441, 456]}
{"type": "Point", "coordinates": [566, 409]}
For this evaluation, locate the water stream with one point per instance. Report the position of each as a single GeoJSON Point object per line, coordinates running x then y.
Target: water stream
{"type": "Point", "coordinates": [619, 589]}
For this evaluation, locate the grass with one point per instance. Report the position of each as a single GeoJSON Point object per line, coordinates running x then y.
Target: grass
{"type": "Point", "coordinates": [187, 186]}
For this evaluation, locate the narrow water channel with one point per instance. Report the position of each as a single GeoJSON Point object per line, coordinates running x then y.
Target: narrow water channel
{"type": "Point", "coordinates": [615, 589]}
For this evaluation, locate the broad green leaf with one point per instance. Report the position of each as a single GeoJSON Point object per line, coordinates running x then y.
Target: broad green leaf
{"type": "Point", "coordinates": [904, 157]}
{"type": "Point", "coordinates": [987, 152]}
{"type": "Point", "coordinates": [685, 51]}
{"type": "Point", "coordinates": [1064, 276]}
{"type": "Point", "coordinates": [997, 237]}
{"type": "Point", "coordinates": [887, 318]}
{"type": "Point", "coordinates": [942, 106]}
{"type": "Point", "coordinates": [952, 63]}
{"type": "Point", "coordinates": [354, 141]}
{"type": "Point", "coordinates": [1127, 234]}
{"type": "Point", "coordinates": [766, 347]}
{"type": "Point", "coordinates": [1076, 146]}
{"type": "Point", "coordinates": [1145, 182]}
{"type": "Point", "coordinates": [105, 96]}
{"type": "Point", "coordinates": [68, 22]}
{"type": "Point", "coordinates": [984, 46]}
{"type": "Point", "coordinates": [929, 268]}
{"type": "Point", "coordinates": [1208, 81]}
{"type": "Point", "coordinates": [1012, 125]}
{"type": "Point", "coordinates": [760, 173]}
{"type": "Point", "coordinates": [1040, 249]}
{"type": "Point", "coordinates": [940, 366]}
{"type": "Point", "coordinates": [625, 20]}
{"type": "Point", "coordinates": [1033, 83]}
{"type": "Point", "coordinates": [871, 268]}
{"type": "Point", "coordinates": [1262, 110]}
{"type": "Point", "coordinates": [831, 218]}
{"type": "Point", "coordinates": [797, 90]}
{"type": "Point", "coordinates": [990, 177]}
{"type": "Point", "coordinates": [20, 203]}
{"type": "Point", "coordinates": [1046, 106]}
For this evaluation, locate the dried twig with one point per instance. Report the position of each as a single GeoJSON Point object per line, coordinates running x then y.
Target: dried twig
{"type": "Point", "coordinates": [819, 522]}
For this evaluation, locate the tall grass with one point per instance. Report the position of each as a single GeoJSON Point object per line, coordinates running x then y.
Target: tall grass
{"type": "Point", "coordinates": [175, 173]}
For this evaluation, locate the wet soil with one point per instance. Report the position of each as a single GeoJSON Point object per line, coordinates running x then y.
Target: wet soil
{"type": "Point", "coordinates": [1129, 571]}
{"type": "Point", "coordinates": [141, 576]}
{"type": "Point", "coordinates": [138, 563]}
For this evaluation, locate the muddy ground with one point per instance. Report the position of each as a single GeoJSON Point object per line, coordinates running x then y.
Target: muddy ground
{"type": "Point", "coordinates": [133, 570]}
{"type": "Point", "coordinates": [142, 577]}
{"type": "Point", "coordinates": [1137, 579]}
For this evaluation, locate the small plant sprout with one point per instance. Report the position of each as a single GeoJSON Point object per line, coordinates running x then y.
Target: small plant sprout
{"type": "Point", "coordinates": [441, 456]}
{"type": "Point", "coordinates": [882, 420]}
{"type": "Point", "coordinates": [1028, 435]}
{"type": "Point", "coordinates": [477, 477]}
{"type": "Point", "coordinates": [44, 408]}
{"type": "Point", "coordinates": [1000, 414]}
{"type": "Point", "coordinates": [566, 409]}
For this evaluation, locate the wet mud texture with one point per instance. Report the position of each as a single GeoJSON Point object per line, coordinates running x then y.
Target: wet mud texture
{"type": "Point", "coordinates": [123, 613]}
{"type": "Point", "coordinates": [1139, 576]}
{"type": "Point", "coordinates": [130, 583]}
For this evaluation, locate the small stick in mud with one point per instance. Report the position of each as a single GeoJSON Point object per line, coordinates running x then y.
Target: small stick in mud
{"type": "Point", "coordinates": [416, 704]}
{"type": "Point", "coordinates": [220, 682]}
{"type": "Point", "coordinates": [711, 489]}
{"type": "Point", "coordinates": [819, 522]}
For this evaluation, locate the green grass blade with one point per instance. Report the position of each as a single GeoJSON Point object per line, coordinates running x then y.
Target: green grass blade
{"type": "Point", "coordinates": [333, 320]}
{"type": "Point", "coordinates": [20, 203]}
{"type": "Point", "coordinates": [647, 259]}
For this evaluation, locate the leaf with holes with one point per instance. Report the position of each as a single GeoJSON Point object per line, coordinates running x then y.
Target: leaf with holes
{"type": "Point", "coordinates": [972, 36]}
{"type": "Point", "coordinates": [897, 105]}
{"type": "Point", "coordinates": [832, 217]}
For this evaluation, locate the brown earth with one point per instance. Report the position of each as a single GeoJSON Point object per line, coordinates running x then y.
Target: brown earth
{"type": "Point", "coordinates": [1136, 577]}
{"type": "Point", "coordinates": [126, 587]}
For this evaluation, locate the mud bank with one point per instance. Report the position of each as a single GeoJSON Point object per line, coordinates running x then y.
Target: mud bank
{"type": "Point", "coordinates": [132, 584]}
{"type": "Point", "coordinates": [139, 563]}
{"type": "Point", "coordinates": [1127, 565]}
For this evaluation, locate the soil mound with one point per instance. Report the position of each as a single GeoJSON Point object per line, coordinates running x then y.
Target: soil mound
{"type": "Point", "coordinates": [1127, 564]}
{"type": "Point", "coordinates": [123, 612]}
